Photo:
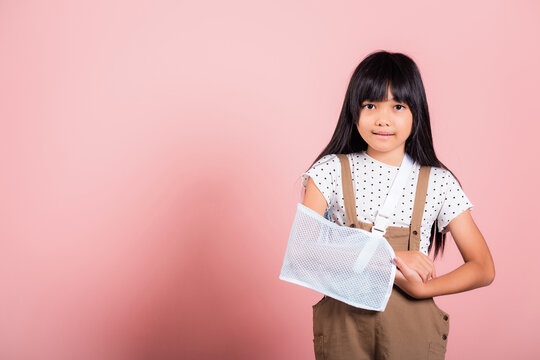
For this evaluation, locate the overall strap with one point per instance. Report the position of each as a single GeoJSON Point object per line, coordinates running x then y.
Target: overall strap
{"type": "Point", "coordinates": [419, 201]}
{"type": "Point", "coordinates": [418, 210]}
{"type": "Point", "coordinates": [348, 191]}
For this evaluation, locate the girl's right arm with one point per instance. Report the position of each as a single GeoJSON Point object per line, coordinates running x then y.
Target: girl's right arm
{"type": "Point", "coordinates": [314, 199]}
{"type": "Point", "coordinates": [422, 264]}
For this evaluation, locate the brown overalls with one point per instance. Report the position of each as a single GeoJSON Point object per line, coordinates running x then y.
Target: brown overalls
{"type": "Point", "coordinates": [408, 329]}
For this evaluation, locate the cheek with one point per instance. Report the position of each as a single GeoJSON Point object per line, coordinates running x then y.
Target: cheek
{"type": "Point", "coordinates": [361, 128]}
{"type": "Point", "coordinates": [361, 125]}
{"type": "Point", "coordinates": [406, 125]}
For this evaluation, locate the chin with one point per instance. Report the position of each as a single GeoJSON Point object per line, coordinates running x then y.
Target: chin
{"type": "Point", "coordinates": [382, 148]}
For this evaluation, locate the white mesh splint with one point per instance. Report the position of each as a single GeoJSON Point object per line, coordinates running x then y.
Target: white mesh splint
{"type": "Point", "coordinates": [348, 264]}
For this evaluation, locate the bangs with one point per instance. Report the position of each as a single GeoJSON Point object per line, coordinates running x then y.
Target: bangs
{"type": "Point", "coordinates": [376, 88]}
{"type": "Point", "coordinates": [374, 81]}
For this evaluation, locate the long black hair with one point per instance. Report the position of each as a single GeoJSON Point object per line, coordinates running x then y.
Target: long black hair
{"type": "Point", "coordinates": [370, 81]}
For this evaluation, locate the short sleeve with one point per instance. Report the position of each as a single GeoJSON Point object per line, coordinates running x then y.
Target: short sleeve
{"type": "Point", "coordinates": [324, 174]}
{"type": "Point", "coordinates": [454, 203]}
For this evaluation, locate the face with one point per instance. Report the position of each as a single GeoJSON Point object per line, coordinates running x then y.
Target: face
{"type": "Point", "coordinates": [387, 117]}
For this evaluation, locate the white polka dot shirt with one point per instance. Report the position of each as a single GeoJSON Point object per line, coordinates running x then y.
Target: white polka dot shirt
{"type": "Point", "coordinates": [372, 180]}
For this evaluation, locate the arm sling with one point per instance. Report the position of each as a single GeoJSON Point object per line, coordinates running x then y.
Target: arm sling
{"type": "Point", "coordinates": [352, 265]}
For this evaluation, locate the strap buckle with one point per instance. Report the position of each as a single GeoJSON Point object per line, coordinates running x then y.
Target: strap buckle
{"type": "Point", "coordinates": [378, 231]}
{"type": "Point", "coordinates": [381, 222]}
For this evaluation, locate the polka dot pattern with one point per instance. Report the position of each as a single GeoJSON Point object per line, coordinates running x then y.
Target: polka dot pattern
{"type": "Point", "coordinates": [372, 180]}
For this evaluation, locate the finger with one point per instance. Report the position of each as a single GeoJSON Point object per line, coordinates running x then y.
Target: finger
{"type": "Point", "coordinates": [418, 270]}
{"type": "Point", "coordinates": [423, 271]}
{"type": "Point", "coordinates": [408, 273]}
{"type": "Point", "coordinates": [426, 260]}
{"type": "Point", "coordinates": [428, 274]}
{"type": "Point", "coordinates": [422, 265]}
{"type": "Point", "coordinates": [423, 274]}
{"type": "Point", "coordinates": [430, 271]}
{"type": "Point", "coordinates": [399, 275]}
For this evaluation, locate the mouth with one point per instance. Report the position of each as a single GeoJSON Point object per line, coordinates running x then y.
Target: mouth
{"type": "Point", "coordinates": [381, 133]}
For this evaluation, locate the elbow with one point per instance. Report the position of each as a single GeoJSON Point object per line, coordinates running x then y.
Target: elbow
{"type": "Point", "coordinates": [485, 270]}
{"type": "Point", "coordinates": [489, 274]}
{"type": "Point", "coordinates": [485, 273]}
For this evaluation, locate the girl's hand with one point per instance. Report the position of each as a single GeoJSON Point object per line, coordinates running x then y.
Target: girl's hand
{"type": "Point", "coordinates": [409, 280]}
{"type": "Point", "coordinates": [418, 262]}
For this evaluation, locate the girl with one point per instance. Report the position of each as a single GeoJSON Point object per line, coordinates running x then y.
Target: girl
{"type": "Point", "coordinates": [384, 116]}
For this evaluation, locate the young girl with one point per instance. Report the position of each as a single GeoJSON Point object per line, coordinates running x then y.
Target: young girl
{"type": "Point", "coordinates": [385, 115]}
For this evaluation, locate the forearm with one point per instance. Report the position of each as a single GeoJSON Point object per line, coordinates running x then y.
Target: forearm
{"type": "Point", "coordinates": [470, 275]}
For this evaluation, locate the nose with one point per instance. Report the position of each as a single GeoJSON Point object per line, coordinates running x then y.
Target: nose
{"type": "Point", "coordinates": [383, 117]}
{"type": "Point", "coordinates": [382, 120]}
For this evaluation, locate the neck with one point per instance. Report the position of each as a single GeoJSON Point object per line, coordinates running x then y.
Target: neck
{"type": "Point", "coordinates": [393, 157]}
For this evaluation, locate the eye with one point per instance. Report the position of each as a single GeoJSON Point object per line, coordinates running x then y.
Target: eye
{"type": "Point", "coordinates": [368, 105]}
{"type": "Point", "coordinates": [401, 106]}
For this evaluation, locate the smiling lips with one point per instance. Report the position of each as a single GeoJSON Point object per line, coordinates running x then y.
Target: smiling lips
{"type": "Point", "coordinates": [381, 133]}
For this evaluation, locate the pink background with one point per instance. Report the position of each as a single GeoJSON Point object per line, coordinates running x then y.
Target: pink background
{"type": "Point", "coordinates": [151, 152]}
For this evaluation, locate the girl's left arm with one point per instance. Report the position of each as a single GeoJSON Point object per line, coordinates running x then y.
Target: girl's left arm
{"type": "Point", "coordinates": [477, 271]}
